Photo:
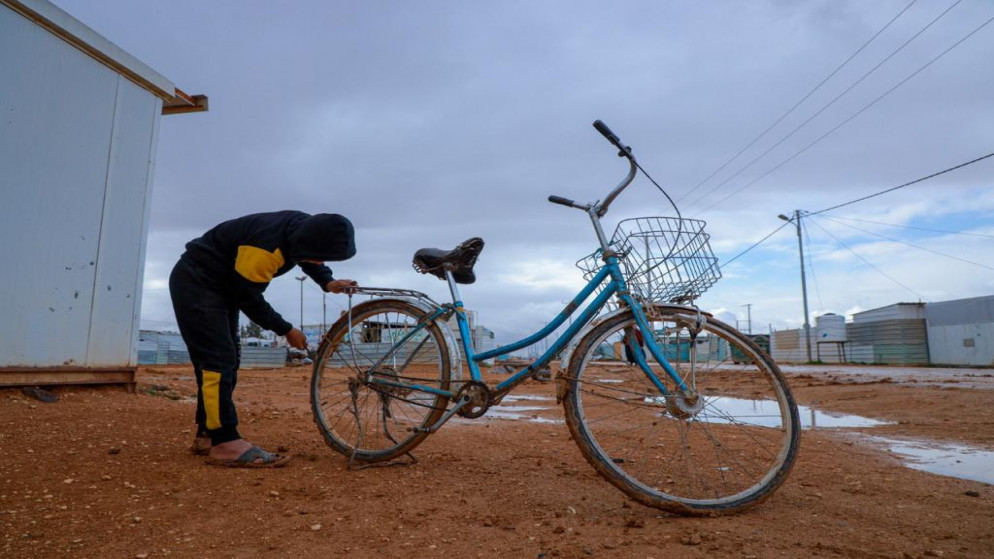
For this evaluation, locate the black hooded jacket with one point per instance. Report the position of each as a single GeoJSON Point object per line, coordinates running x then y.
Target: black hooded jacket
{"type": "Point", "coordinates": [240, 257]}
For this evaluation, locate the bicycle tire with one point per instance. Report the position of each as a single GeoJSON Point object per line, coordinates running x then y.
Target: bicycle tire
{"type": "Point", "coordinates": [717, 460]}
{"type": "Point", "coordinates": [375, 423]}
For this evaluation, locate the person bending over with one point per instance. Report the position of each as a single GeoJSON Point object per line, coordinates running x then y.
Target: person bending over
{"type": "Point", "coordinates": [226, 270]}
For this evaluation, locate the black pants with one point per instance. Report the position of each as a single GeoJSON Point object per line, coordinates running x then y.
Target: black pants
{"type": "Point", "coordinates": [208, 322]}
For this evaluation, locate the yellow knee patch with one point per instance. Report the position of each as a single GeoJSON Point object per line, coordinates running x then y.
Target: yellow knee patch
{"type": "Point", "coordinates": [211, 389]}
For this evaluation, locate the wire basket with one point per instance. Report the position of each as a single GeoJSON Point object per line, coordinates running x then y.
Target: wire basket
{"type": "Point", "coordinates": [664, 259]}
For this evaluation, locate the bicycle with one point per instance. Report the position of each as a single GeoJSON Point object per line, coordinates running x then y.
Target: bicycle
{"type": "Point", "coordinates": [676, 425]}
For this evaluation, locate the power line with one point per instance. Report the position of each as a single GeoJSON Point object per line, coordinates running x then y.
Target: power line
{"type": "Point", "coordinates": [829, 104]}
{"type": "Point", "coordinates": [910, 245]}
{"type": "Point", "coordinates": [756, 244]}
{"type": "Point", "coordinates": [797, 104]}
{"type": "Point", "coordinates": [853, 116]}
{"type": "Point", "coordinates": [916, 181]}
{"type": "Point", "coordinates": [870, 264]}
{"type": "Point", "coordinates": [912, 227]}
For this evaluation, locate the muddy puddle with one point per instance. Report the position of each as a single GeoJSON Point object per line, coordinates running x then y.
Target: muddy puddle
{"type": "Point", "coordinates": [723, 410]}
{"type": "Point", "coordinates": [945, 459]}
{"type": "Point", "coordinates": [764, 413]}
{"type": "Point", "coordinates": [527, 407]}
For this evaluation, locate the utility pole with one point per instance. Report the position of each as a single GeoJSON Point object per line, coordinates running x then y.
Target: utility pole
{"type": "Point", "coordinates": [301, 280]}
{"type": "Point", "coordinates": [748, 307]}
{"type": "Point", "coordinates": [804, 286]}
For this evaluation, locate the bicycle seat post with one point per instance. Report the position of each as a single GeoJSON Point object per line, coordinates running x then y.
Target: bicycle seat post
{"type": "Point", "coordinates": [453, 287]}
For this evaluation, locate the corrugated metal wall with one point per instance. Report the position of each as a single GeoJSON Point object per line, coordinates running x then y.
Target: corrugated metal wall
{"type": "Point", "coordinates": [161, 348]}
{"type": "Point", "coordinates": [263, 357]}
{"type": "Point", "coordinates": [790, 346]}
{"type": "Point", "coordinates": [891, 342]}
{"type": "Point", "coordinates": [428, 353]}
{"type": "Point", "coordinates": [959, 333]}
{"type": "Point", "coordinates": [167, 348]}
{"type": "Point", "coordinates": [896, 311]}
{"type": "Point", "coordinates": [786, 346]}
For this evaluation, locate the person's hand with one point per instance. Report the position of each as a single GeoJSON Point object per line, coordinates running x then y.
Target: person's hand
{"type": "Point", "coordinates": [296, 338]}
{"type": "Point", "coordinates": [340, 286]}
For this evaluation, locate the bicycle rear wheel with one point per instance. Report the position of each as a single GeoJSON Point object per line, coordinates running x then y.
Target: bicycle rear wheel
{"type": "Point", "coordinates": [356, 413]}
{"type": "Point", "coordinates": [727, 449]}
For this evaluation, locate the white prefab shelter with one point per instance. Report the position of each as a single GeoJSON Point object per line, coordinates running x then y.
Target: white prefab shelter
{"type": "Point", "coordinates": [956, 333]}
{"type": "Point", "coordinates": [79, 121]}
{"type": "Point", "coordinates": [961, 332]}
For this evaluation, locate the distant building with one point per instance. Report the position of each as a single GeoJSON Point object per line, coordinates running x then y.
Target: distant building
{"type": "Point", "coordinates": [483, 339]}
{"type": "Point", "coordinates": [167, 348]}
{"type": "Point", "coordinates": [161, 348]}
{"type": "Point", "coordinates": [957, 333]}
{"type": "Point", "coordinates": [314, 333]}
{"type": "Point", "coordinates": [961, 332]}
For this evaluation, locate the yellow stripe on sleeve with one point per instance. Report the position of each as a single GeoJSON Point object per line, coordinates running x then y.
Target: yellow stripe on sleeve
{"type": "Point", "coordinates": [211, 389]}
{"type": "Point", "coordinates": [256, 264]}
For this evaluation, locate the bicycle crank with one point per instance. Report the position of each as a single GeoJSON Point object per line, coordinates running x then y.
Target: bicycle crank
{"type": "Point", "coordinates": [479, 399]}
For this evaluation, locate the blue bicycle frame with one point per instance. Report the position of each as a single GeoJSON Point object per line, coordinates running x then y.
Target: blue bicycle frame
{"type": "Point", "coordinates": [613, 284]}
{"type": "Point", "coordinates": [616, 285]}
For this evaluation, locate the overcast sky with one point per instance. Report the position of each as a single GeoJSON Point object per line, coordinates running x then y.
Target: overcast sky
{"type": "Point", "coordinates": [427, 123]}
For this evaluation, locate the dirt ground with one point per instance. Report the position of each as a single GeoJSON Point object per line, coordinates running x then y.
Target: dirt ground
{"type": "Point", "coordinates": [103, 473]}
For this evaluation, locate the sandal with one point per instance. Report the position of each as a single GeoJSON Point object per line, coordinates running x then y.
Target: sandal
{"type": "Point", "coordinates": [254, 457]}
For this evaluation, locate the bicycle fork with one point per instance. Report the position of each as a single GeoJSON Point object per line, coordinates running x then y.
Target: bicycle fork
{"type": "Point", "coordinates": [685, 402]}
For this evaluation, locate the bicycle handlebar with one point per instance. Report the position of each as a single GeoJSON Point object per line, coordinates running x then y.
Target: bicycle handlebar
{"type": "Point", "coordinates": [624, 151]}
{"type": "Point", "coordinates": [562, 201]}
{"type": "Point", "coordinates": [612, 137]}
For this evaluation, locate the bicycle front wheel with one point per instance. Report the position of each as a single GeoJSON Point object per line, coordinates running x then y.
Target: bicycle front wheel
{"type": "Point", "coordinates": [725, 445]}
{"type": "Point", "coordinates": [372, 380]}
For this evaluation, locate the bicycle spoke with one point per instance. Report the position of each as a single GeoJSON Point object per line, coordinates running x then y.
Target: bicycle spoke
{"type": "Point", "coordinates": [691, 447]}
{"type": "Point", "coordinates": [748, 432]}
{"type": "Point", "coordinates": [362, 403]}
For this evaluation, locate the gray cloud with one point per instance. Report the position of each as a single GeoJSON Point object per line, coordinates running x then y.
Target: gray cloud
{"type": "Point", "coordinates": [431, 122]}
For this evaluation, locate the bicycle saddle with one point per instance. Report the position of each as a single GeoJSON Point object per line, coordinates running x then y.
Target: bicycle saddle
{"type": "Point", "coordinates": [459, 260]}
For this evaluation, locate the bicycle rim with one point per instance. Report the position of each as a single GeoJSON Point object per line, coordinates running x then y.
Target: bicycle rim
{"type": "Point", "coordinates": [726, 451]}
{"type": "Point", "coordinates": [364, 420]}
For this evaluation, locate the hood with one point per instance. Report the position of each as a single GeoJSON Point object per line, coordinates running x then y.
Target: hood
{"type": "Point", "coordinates": [325, 237]}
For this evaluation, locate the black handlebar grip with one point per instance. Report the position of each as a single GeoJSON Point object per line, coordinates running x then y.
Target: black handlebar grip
{"type": "Point", "coordinates": [606, 132]}
{"type": "Point", "coordinates": [561, 201]}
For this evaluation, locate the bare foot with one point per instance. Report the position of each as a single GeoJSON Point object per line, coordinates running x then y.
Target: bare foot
{"type": "Point", "coordinates": [230, 450]}
{"type": "Point", "coordinates": [242, 454]}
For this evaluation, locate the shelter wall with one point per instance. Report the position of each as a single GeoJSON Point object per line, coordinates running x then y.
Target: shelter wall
{"type": "Point", "coordinates": [899, 311]}
{"type": "Point", "coordinates": [77, 141]}
{"type": "Point", "coordinates": [962, 344]}
{"type": "Point", "coordinates": [890, 342]}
